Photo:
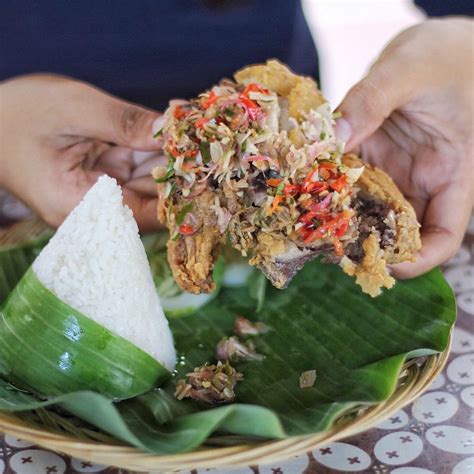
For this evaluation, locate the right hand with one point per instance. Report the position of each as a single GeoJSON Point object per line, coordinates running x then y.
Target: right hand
{"type": "Point", "coordinates": [58, 135]}
{"type": "Point", "coordinates": [413, 116]}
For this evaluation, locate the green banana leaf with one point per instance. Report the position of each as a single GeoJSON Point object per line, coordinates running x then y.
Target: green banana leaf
{"type": "Point", "coordinates": [322, 322]}
{"type": "Point", "coordinates": [18, 248]}
{"type": "Point", "coordinates": [75, 352]}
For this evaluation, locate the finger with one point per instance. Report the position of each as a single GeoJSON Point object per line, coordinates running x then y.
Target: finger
{"type": "Point", "coordinates": [144, 209]}
{"type": "Point", "coordinates": [96, 114]}
{"type": "Point", "coordinates": [445, 221]}
{"type": "Point", "coordinates": [144, 185]}
{"type": "Point", "coordinates": [91, 156]}
{"type": "Point", "coordinates": [146, 167]}
{"type": "Point", "coordinates": [66, 197]}
{"type": "Point", "coordinates": [140, 156]}
{"type": "Point", "coordinates": [371, 101]}
{"type": "Point", "coordinates": [116, 162]}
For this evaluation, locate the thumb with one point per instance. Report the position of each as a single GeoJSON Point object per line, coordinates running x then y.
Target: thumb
{"type": "Point", "coordinates": [102, 116]}
{"type": "Point", "coordinates": [369, 102]}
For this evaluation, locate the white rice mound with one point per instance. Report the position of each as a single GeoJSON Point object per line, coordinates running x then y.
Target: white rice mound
{"type": "Point", "coordinates": [96, 263]}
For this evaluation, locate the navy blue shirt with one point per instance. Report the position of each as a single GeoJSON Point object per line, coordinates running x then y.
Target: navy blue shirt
{"type": "Point", "coordinates": [149, 51]}
{"type": "Point", "coordinates": [447, 7]}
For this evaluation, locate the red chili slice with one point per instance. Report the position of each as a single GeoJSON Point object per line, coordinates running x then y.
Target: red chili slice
{"type": "Point", "coordinates": [255, 88]}
{"type": "Point", "coordinates": [304, 233]}
{"type": "Point", "coordinates": [190, 153]}
{"type": "Point", "coordinates": [339, 183]}
{"type": "Point", "coordinates": [273, 182]}
{"type": "Point", "coordinates": [309, 217]}
{"type": "Point", "coordinates": [307, 181]}
{"type": "Point", "coordinates": [210, 100]}
{"type": "Point", "coordinates": [248, 103]}
{"type": "Point", "coordinates": [185, 229]}
{"type": "Point", "coordinates": [316, 187]}
{"type": "Point", "coordinates": [337, 226]}
{"type": "Point", "coordinates": [201, 122]}
{"type": "Point", "coordinates": [342, 228]}
{"type": "Point", "coordinates": [291, 189]}
{"type": "Point", "coordinates": [179, 112]}
{"type": "Point", "coordinates": [316, 234]}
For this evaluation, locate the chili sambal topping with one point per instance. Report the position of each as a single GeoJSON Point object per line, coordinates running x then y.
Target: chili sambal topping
{"type": "Point", "coordinates": [212, 384]}
{"type": "Point", "coordinates": [232, 135]}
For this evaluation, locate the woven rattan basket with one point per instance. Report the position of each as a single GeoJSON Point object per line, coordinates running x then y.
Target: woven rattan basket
{"type": "Point", "coordinates": [414, 379]}
{"type": "Point", "coordinates": [416, 376]}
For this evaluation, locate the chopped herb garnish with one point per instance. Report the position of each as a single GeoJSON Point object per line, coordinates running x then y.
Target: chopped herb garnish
{"type": "Point", "coordinates": [172, 189]}
{"type": "Point", "coordinates": [336, 115]}
{"type": "Point", "coordinates": [322, 135]}
{"type": "Point", "coordinates": [279, 189]}
{"type": "Point", "coordinates": [212, 384]}
{"type": "Point", "coordinates": [228, 112]}
{"type": "Point", "coordinates": [169, 171]}
{"type": "Point", "coordinates": [158, 133]}
{"type": "Point", "coordinates": [182, 213]}
{"type": "Point", "coordinates": [205, 148]}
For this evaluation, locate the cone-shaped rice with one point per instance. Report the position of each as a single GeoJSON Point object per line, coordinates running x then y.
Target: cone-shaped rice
{"type": "Point", "coordinates": [86, 315]}
{"type": "Point", "coordinates": [96, 263]}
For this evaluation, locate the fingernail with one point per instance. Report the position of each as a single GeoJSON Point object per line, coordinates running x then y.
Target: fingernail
{"type": "Point", "coordinates": [343, 130]}
{"type": "Point", "coordinates": [157, 124]}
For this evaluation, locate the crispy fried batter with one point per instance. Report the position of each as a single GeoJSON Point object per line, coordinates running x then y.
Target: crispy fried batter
{"type": "Point", "coordinates": [302, 92]}
{"type": "Point", "coordinates": [192, 258]}
{"type": "Point", "coordinates": [371, 274]}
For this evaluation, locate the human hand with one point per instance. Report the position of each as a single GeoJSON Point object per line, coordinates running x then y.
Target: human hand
{"type": "Point", "coordinates": [58, 135]}
{"type": "Point", "coordinates": [413, 117]}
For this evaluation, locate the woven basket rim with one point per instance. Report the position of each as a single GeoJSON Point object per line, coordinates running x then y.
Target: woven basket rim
{"type": "Point", "coordinates": [128, 457]}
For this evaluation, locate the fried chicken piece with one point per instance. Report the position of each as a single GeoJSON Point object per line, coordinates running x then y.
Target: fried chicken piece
{"type": "Point", "coordinates": [258, 160]}
{"type": "Point", "coordinates": [385, 206]}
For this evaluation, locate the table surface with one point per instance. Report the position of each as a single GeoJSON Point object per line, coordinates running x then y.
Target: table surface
{"type": "Point", "coordinates": [432, 435]}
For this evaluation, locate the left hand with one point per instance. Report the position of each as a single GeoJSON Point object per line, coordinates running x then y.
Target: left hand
{"type": "Point", "coordinates": [58, 135]}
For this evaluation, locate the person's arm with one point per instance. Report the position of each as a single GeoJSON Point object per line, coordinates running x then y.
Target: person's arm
{"type": "Point", "coordinates": [413, 116]}
{"type": "Point", "coordinates": [58, 135]}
